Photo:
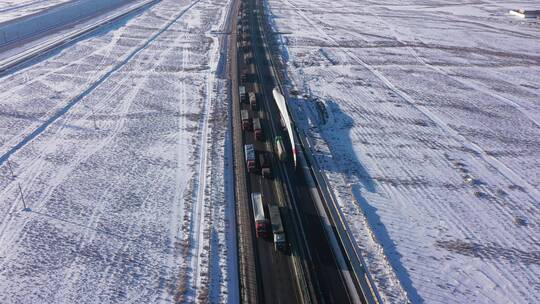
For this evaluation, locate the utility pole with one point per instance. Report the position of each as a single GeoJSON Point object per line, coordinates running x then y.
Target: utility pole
{"type": "Point", "coordinates": [11, 169]}
{"type": "Point", "coordinates": [93, 116]}
{"type": "Point", "coordinates": [22, 198]}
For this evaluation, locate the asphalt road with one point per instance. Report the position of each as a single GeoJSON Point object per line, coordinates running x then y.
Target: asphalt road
{"type": "Point", "coordinates": [276, 280]}
{"type": "Point", "coordinates": [279, 281]}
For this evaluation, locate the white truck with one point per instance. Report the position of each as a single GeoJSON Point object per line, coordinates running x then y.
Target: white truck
{"type": "Point", "coordinates": [277, 228]}
{"type": "Point", "coordinates": [251, 161]}
{"type": "Point", "coordinates": [242, 91]}
{"type": "Point", "coordinates": [253, 100]}
{"type": "Point", "coordinates": [258, 212]}
{"type": "Point", "coordinates": [280, 149]}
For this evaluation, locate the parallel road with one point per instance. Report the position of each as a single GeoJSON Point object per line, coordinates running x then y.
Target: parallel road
{"type": "Point", "coordinates": [48, 45]}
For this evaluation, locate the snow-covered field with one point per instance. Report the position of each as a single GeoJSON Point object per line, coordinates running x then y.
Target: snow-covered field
{"type": "Point", "coordinates": [425, 116]}
{"type": "Point", "coordinates": [118, 144]}
{"type": "Point", "coordinates": [11, 9]}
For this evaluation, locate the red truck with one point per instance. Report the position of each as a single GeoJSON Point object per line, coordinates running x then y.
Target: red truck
{"type": "Point", "coordinates": [246, 121]}
{"type": "Point", "coordinates": [257, 130]}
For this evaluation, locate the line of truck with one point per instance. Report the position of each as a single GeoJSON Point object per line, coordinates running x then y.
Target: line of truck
{"type": "Point", "coordinates": [267, 217]}
{"type": "Point", "coordinates": [262, 224]}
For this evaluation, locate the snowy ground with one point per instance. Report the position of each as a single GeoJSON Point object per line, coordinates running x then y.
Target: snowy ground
{"type": "Point", "coordinates": [117, 143]}
{"type": "Point", "coordinates": [11, 9]}
{"type": "Point", "coordinates": [426, 119]}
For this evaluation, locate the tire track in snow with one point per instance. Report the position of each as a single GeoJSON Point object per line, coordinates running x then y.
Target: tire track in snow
{"type": "Point", "coordinates": [505, 171]}
{"type": "Point", "coordinates": [471, 83]}
{"type": "Point", "coordinates": [37, 163]}
{"type": "Point", "coordinates": [456, 214]}
{"type": "Point", "coordinates": [200, 206]}
{"type": "Point", "coordinates": [40, 129]}
{"type": "Point", "coordinates": [457, 221]}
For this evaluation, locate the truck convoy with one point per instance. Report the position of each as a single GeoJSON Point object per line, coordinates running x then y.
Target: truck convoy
{"type": "Point", "coordinates": [258, 212]}
{"type": "Point", "coordinates": [249, 152]}
{"type": "Point", "coordinates": [280, 149]}
{"type": "Point", "coordinates": [253, 100]}
{"type": "Point", "coordinates": [246, 121]}
{"type": "Point", "coordinates": [257, 130]}
{"type": "Point", "coordinates": [277, 228]}
{"type": "Point", "coordinates": [264, 163]}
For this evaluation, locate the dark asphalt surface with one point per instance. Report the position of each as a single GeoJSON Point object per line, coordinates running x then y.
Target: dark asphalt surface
{"type": "Point", "coordinates": [276, 276]}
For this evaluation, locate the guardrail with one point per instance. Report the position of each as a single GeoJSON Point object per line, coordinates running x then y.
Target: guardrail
{"type": "Point", "coordinates": [357, 263]}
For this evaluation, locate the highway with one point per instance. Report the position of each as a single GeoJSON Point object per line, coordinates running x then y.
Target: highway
{"type": "Point", "coordinates": [308, 273]}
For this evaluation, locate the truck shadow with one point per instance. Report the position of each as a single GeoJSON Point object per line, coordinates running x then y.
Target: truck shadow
{"type": "Point", "coordinates": [335, 128]}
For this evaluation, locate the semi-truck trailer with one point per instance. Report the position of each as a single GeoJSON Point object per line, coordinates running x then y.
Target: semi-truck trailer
{"type": "Point", "coordinates": [246, 121]}
{"type": "Point", "coordinates": [264, 163]}
{"type": "Point", "coordinates": [257, 130]}
{"type": "Point", "coordinates": [242, 91]}
{"type": "Point", "coordinates": [277, 228]}
{"type": "Point", "coordinates": [243, 76]}
{"type": "Point", "coordinates": [247, 58]}
{"type": "Point", "coordinates": [253, 100]}
{"type": "Point", "coordinates": [258, 212]}
{"type": "Point", "coordinates": [280, 149]}
{"type": "Point", "coordinates": [251, 160]}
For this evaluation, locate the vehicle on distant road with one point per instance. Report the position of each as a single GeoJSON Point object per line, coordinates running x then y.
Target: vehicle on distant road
{"type": "Point", "coordinates": [261, 222]}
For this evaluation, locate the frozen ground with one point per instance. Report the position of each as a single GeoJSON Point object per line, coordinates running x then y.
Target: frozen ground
{"type": "Point", "coordinates": [117, 143]}
{"type": "Point", "coordinates": [425, 116]}
{"type": "Point", "coordinates": [11, 9]}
